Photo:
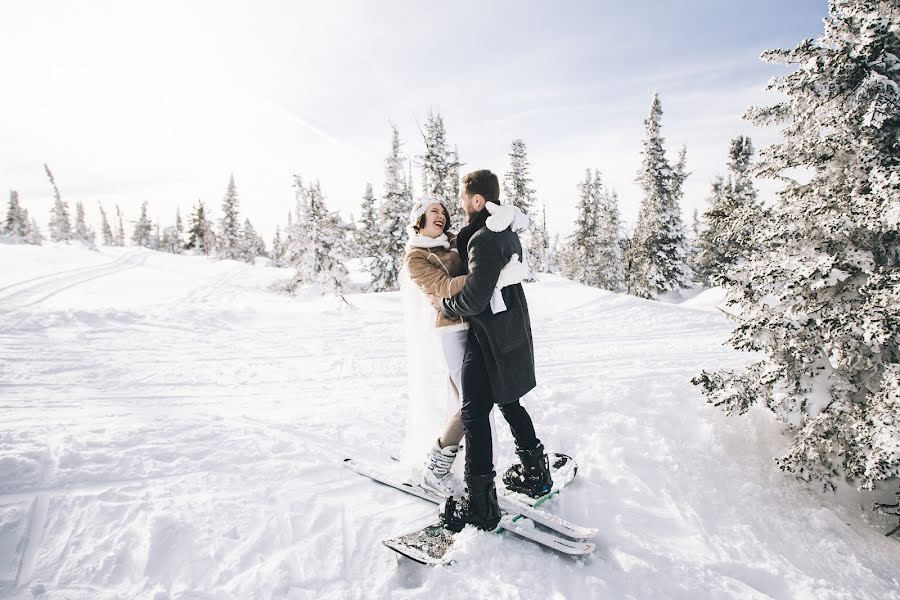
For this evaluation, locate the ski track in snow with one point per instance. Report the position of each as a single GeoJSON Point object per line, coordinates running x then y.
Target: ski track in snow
{"type": "Point", "coordinates": [170, 429]}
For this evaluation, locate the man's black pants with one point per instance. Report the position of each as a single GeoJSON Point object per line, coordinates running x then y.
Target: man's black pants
{"type": "Point", "coordinates": [478, 400]}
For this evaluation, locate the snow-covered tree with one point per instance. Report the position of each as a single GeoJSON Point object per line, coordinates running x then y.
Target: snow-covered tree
{"type": "Point", "coordinates": [578, 261]}
{"type": "Point", "coordinates": [143, 229]}
{"type": "Point", "coordinates": [324, 260]}
{"type": "Point", "coordinates": [393, 219]}
{"type": "Point", "coordinates": [60, 224]}
{"type": "Point", "coordinates": [16, 223]}
{"type": "Point", "coordinates": [83, 233]}
{"type": "Point", "coordinates": [367, 235]}
{"type": "Point", "coordinates": [296, 244]}
{"type": "Point", "coordinates": [440, 169]}
{"type": "Point", "coordinates": [33, 235]}
{"type": "Point", "coordinates": [179, 232]}
{"type": "Point", "coordinates": [120, 228]}
{"type": "Point", "coordinates": [608, 245]}
{"type": "Point", "coordinates": [276, 258]}
{"type": "Point", "coordinates": [200, 235]}
{"type": "Point", "coordinates": [252, 244]}
{"type": "Point", "coordinates": [517, 191]}
{"type": "Point", "coordinates": [660, 250]}
{"type": "Point", "coordinates": [539, 246]}
{"type": "Point", "coordinates": [108, 238]}
{"type": "Point", "coordinates": [229, 237]}
{"type": "Point", "coordinates": [733, 214]}
{"type": "Point", "coordinates": [821, 307]}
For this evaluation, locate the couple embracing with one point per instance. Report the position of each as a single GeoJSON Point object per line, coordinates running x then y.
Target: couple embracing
{"type": "Point", "coordinates": [466, 317]}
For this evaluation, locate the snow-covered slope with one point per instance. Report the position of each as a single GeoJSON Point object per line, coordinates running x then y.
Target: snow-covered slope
{"type": "Point", "coordinates": [170, 429]}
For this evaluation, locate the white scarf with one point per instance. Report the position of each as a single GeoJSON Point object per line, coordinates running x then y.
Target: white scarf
{"type": "Point", "coordinates": [418, 240]}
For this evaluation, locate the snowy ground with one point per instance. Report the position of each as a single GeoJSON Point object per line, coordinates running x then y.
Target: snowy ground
{"type": "Point", "coordinates": [170, 429]}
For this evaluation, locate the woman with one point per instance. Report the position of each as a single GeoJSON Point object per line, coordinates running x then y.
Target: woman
{"type": "Point", "coordinates": [436, 344]}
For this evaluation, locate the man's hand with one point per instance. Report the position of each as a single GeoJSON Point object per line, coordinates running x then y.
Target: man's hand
{"type": "Point", "coordinates": [435, 302]}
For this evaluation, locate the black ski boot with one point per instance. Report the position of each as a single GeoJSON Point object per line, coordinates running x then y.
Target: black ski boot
{"type": "Point", "coordinates": [532, 477]}
{"type": "Point", "coordinates": [478, 507]}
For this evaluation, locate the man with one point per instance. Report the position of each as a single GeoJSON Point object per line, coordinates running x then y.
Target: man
{"type": "Point", "coordinates": [498, 366]}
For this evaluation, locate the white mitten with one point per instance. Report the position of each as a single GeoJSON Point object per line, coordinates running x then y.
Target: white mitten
{"type": "Point", "coordinates": [514, 272]}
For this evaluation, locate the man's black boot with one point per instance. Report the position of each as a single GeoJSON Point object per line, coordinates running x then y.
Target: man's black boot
{"type": "Point", "coordinates": [532, 477]}
{"type": "Point", "coordinates": [478, 507]}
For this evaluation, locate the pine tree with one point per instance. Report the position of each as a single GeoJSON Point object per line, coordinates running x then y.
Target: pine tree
{"type": "Point", "coordinates": [660, 249]}
{"type": "Point", "coordinates": [540, 243]}
{"type": "Point", "coordinates": [252, 245]}
{"type": "Point", "coordinates": [229, 237]}
{"type": "Point", "coordinates": [608, 244]}
{"type": "Point", "coordinates": [277, 257]}
{"type": "Point", "coordinates": [108, 238]}
{"type": "Point", "coordinates": [178, 241]}
{"type": "Point", "coordinates": [120, 228]}
{"type": "Point", "coordinates": [143, 229]}
{"type": "Point", "coordinates": [440, 169]}
{"type": "Point", "coordinates": [200, 233]}
{"type": "Point", "coordinates": [60, 225]}
{"type": "Point", "coordinates": [33, 235]}
{"type": "Point", "coordinates": [578, 261]}
{"type": "Point", "coordinates": [393, 221]}
{"type": "Point", "coordinates": [327, 250]}
{"type": "Point", "coordinates": [16, 223]}
{"type": "Point", "coordinates": [517, 181]}
{"type": "Point", "coordinates": [297, 244]}
{"type": "Point", "coordinates": [366, 236]}
{"type": "Point", "coordinates": [821, 307]}
{"type": "Point", "coordinates": [734, 213]}
{"type": "Point", "coordinates": [83, 233]}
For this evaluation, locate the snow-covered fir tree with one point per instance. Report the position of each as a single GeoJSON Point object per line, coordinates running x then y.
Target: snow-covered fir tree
{"type": "Point", "coordinates": [252, 244]}
{"type": "Point", "coordinates": [200, 236]}
{"type": "Point", "coordinates": [539, 247]}
{"type": "Point", "coordinates": [440, 169]}
{"type": "Point", "coordinates": [229, 237]}
{"type": "Point", "coordinates": [608, 253]}
{"type": "Point", "coordinates": [16, 222]}
{"type": "Point", "coordinates": [276, 257]}
{"type": "Point", "coordinates": [734, 213]}
{"type": "Point", "coordinates": [156, 237]}
{"type": "Point", "coordinates": [296, 243]}
{"type": "Point", "coordinates": [578, 261]}
{"type": "Point", "coordinates": [120, 227]}
{"type": "Point", "coordinates": [821, 307]}
{"type": "Point", "coordinates": [109, 239]}
{"type": "Point", "coordinates": [83, 233]}
{"type": "Point", "coordinates": [659, 248]}
{"type": "Point", "coordinates": [367, 235]}
{"type": "Point", "coordinates": [143, 228]}
{"type": "Point", "coordinates": [324, 260]}
{"type": "Point", "coordinates": [179, 232]}
{"type": "Point", "coordinates": [60, 224]}
{"type": "Point", "coordinates": [393, 219]}
{"type": "Point", "coordinates": [517, 191]}
{"type": "Point", "coordinates": [33, 235]}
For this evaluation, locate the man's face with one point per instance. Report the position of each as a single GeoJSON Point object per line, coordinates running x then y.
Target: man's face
{"type": "Point", "coordinates": [470, 203]}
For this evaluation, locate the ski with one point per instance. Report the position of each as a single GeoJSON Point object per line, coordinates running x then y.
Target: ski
{"type": "Point", "coordinates": [518, 505]}
{"type": "Point", "coordinates": [429, 545]}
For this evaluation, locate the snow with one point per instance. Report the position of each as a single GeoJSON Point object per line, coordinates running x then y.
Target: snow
{"type": "Point", "coordinates": [171, 429]}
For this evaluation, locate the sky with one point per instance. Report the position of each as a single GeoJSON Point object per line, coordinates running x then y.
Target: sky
{"type": "Point", "coordinates": [163, 101]}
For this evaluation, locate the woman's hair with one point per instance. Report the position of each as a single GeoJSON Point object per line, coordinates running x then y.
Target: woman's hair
{"type": "Point", "coordinates": [420, 224]}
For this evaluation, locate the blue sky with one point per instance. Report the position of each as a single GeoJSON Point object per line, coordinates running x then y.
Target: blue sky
{"type": "Point", "coordinates": [162, 101]}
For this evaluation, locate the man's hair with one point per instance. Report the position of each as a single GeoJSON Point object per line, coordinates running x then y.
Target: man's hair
{"type": "Point", "coordinates": [482, 182]}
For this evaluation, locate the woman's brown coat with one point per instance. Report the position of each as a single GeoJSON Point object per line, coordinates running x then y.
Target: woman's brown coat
{"type": "Point", "coordinates": [438, 271]}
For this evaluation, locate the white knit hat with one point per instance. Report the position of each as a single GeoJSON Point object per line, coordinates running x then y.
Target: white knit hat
{"type": "Point", "coordinates": [420, 206]}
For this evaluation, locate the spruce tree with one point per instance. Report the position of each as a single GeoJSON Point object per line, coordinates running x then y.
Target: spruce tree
{"type": "Point", "coordinates": [199, 235]}
{"type": "Point", "coordinates": [120, 228]}
{"type": "Point", "coordinates": [578, 262]}
{"type": "Point", "coordinates": [252, 245]}
{"type": "Point", "coordinates": [276, 259]}
{"type": "Point", "coordinates": [608, 244]}
{"type": "Point", "coordinates": [324, 260]}
{"type": "Point", "coordinates": [83, 233]}
{"type": "Point", "coordinates": [734, 213]}
{"type": "Point", "coordinates": [16, 223]}
{"type": "Point", "coordinates": [33, 235]}
{"type": "Point", "coordinates": [229, 236]}
{"type": "Point", "coordinates": [660, 250]}
{"type": "Point", "coordinates": [143, 229]}
{"type": "Point", "coordinates": [440, 169]}
{"type": "Point", "coordinates": [821, 307]}
{"type": "Point", "coordinates": [393, 222]}
{"type": "Point", "coordinates": [517, 191]}
{"type": "Point", "coordinates": [540, 243]}
{"type": "Point", "coordinates": [108, 238]}
{"type": "Point", "coordinates": [60, 225]}
{"type": "Point", "coordinates": [366, 236]}
{"type": "Point", "coordinates": [178, 242]}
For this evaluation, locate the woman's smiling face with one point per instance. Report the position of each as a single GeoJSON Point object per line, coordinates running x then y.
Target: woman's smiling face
{"type": "Point", "coordinates": [436, 219]}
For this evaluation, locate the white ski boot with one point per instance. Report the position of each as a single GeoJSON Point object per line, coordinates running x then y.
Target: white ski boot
{"type": "Point", "coordinates": [436, 475]}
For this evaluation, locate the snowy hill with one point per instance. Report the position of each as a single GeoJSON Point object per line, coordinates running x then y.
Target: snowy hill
{"type": "Point", "coordinates": [170, 429]}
